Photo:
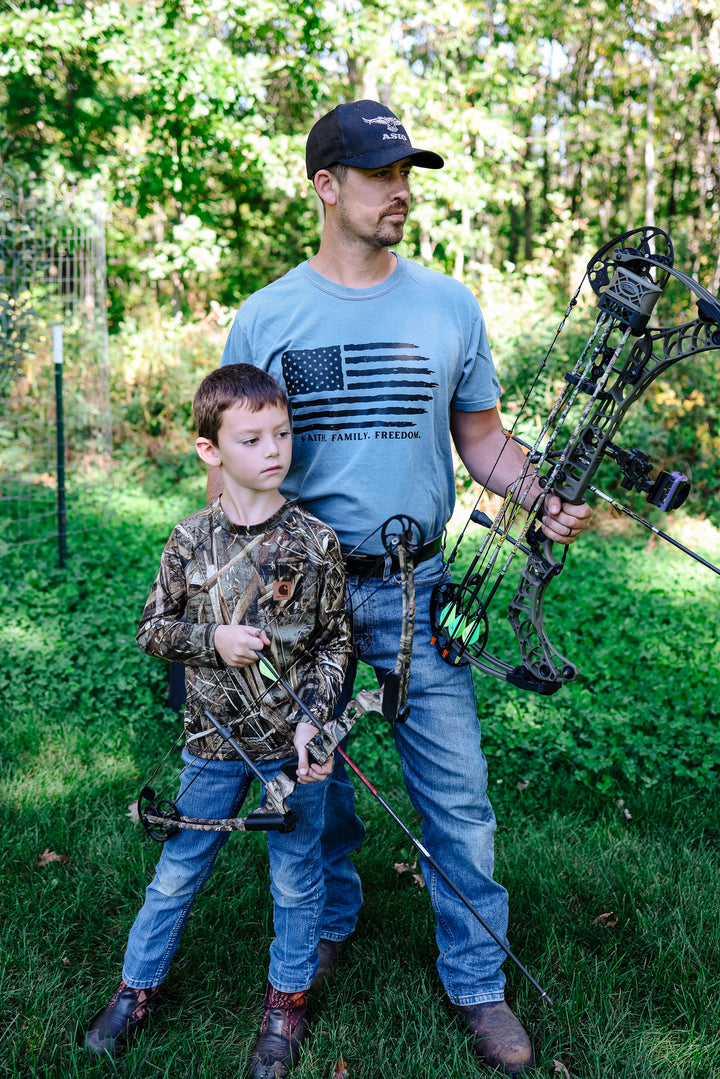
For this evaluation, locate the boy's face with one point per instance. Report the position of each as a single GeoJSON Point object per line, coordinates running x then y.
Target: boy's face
{"type": "Point", "coordinates": [254, 449]}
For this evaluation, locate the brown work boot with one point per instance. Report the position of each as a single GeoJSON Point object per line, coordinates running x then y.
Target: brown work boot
{"type": "Point", "coordinates": [127, 1013]}
{"type": "Point", "coordinates": [500, 1039]}
{"type": "Point", "coordinates": [329, 952]}
{"type": "Point", "coordinates": [284, 1026]}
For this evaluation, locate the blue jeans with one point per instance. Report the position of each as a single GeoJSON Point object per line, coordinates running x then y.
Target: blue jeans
{"type": "Point", "coordinates": [446, 776]}
{"type": "Point", "coordinates": [296, 876]}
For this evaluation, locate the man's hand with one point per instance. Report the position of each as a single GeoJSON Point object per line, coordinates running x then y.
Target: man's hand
{"type": "Point", "coordinates": [306, 772]}
{"type": "Point", "coordinates": [563, 522]}
{"type": "Point", "coordinates": [238, 646]}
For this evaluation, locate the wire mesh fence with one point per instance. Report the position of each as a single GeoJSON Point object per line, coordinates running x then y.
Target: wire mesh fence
{"type": "Point", "coordinates": [55, 432]}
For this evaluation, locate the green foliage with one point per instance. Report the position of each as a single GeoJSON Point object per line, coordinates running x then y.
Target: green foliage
{"type": "Point", "coordinates": [156, 367]}
{"type": "Point", "coordinates": [560, 127]}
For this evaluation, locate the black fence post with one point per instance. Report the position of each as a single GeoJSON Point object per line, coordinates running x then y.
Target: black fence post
{"type": "Point", "coordinates": [60, 444]}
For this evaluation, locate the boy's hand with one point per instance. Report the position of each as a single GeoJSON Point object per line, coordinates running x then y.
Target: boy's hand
{"type": "Point", "coordinates": [306, 772]}
{"type": "Point", "coordinates": [238, 646]}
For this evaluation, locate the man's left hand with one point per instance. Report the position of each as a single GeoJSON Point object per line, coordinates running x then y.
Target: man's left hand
{"type": "Point", "coordinates": [563, 522]}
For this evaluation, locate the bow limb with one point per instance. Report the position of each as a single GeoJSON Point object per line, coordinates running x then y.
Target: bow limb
{"type": "Point", "coordinates": [394, 691]}
{"type": "Point", "coordinates": [630, 296]}
{"type": "Point", "coordinates": [162, 819]}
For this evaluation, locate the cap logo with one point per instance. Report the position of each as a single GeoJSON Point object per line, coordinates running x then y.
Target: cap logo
{"type": "Point", "coordinates": [391, 123]}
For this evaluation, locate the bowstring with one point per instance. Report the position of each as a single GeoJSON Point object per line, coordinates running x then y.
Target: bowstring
{"type": "Point", "coordinates": [525, 472]}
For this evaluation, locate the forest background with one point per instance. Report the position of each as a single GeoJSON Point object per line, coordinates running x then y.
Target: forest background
{"type": "Point", "coordinates": [562, 125]}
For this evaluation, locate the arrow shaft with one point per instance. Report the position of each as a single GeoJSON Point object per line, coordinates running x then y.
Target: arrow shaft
{"type": "Point", "coordinates": [651, 527]}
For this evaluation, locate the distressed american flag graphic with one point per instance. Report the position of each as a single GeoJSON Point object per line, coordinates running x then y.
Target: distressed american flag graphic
{"type": "Point", "coordinates": [378, 384]}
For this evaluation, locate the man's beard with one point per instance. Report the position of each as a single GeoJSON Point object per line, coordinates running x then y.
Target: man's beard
{"type": "Point", "coordinates": [384, 234]}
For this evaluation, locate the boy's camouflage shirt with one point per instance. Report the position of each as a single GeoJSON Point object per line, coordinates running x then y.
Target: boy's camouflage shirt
{"type": "Point", "coordinates": [285, 576]}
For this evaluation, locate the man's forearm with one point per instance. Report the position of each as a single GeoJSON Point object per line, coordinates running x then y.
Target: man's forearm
{"type": "Point", "coordinates": [496, 462]}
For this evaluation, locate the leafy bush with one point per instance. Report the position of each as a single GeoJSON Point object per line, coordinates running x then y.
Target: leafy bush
{"type": "Point", "coordinates": [155, 369]}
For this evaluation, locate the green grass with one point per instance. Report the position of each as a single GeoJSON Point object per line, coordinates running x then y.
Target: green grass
{"type": "Point", "coordinates": [606, 796]}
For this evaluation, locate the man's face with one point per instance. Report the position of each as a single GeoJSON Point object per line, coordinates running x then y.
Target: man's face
{"type": "Point", "coordinates": [373, 204]}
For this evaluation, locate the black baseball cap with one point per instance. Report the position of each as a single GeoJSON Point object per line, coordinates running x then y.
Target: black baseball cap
{"type": "Point", "coordinates": [364, 135]}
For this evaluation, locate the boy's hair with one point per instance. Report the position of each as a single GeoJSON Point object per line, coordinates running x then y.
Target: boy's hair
{"type": "Point", "coordinates": [226, 385]}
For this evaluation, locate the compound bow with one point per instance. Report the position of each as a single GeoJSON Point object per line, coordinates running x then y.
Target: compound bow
{"type": "Point", "coordinates": [622, 357]}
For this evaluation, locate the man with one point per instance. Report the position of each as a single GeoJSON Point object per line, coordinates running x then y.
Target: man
{"type": "Point", "coordinates": [385, 362]}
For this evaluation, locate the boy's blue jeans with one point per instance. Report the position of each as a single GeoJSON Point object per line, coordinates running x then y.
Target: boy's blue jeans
{"type": "Point", "coordinates": [446, 776]}
{"type": "Point", "coordinates": [296, 873]}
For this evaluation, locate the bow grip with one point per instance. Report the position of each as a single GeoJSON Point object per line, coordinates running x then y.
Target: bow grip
{"type": "Point", "coordinates": [541, 546]}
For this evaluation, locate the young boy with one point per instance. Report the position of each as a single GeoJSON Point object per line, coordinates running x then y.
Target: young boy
{"type": "Point", "coordinates": [250, 574]}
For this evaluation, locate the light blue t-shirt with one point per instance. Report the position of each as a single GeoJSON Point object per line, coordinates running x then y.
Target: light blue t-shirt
{"type": "Point", "coordinates": [371, 375]}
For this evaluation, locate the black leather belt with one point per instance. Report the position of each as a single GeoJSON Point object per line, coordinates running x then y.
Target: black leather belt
{"type": "Point", "coordinates": [379, 565]}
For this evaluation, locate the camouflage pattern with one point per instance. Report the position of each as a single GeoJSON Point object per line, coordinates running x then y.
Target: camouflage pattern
{"type": "Point", "coordinates": [284, 576]}
{"type": "Point", "coordinates": [327, 740]}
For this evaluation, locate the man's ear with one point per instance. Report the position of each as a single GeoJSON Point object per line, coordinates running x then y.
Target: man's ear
{"type": "Point", "coordinates": [207, 451]}
{"type": "Point", "coordinates": [326, 185]}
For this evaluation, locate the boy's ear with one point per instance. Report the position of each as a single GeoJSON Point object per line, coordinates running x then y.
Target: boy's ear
{"type": "Point", "coordinates": [207, 451]}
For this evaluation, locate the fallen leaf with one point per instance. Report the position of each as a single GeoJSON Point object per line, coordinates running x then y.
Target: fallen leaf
{"type": "Point", "coordinates": [65, 961]}
{"type": "Point", "coordinates": [403, 867]}
{"type": "Point", "coordinates": [48, 856]}
{"type": "Point", "coordinates": [523, 784]}
{"type": "Point", "coordinates": [340, 1070]}
{"type": "Point", "coordinates": [609, 920]}
{"type": "Point", "coordinates": [132, 813]}
{"type": "Point", "coordinates": [560, 1069]}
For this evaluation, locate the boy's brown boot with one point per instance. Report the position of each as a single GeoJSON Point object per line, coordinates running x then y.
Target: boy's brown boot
{"type": "Point", "coordinates": [284, 1026]}
{"type": "Point", "coordinates": [127, 1012]}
